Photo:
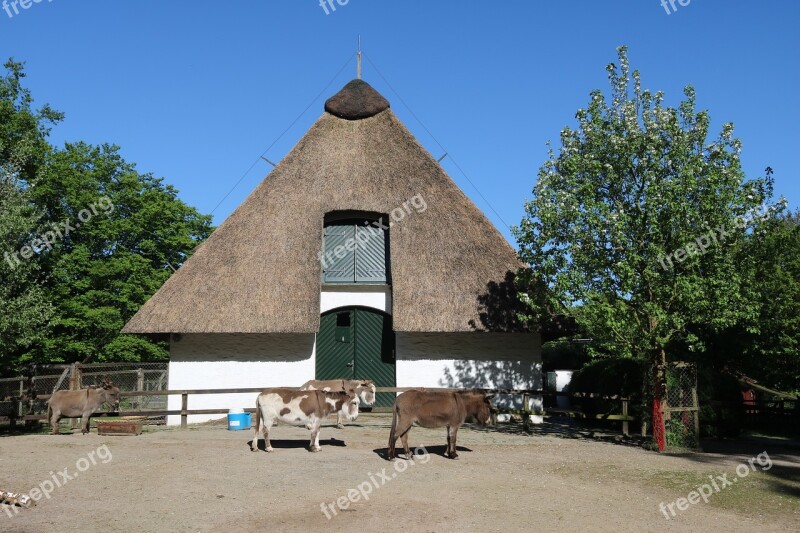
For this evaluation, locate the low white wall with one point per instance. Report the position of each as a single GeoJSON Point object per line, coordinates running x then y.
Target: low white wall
{"type": "Point", "coordinates": [234, 362]}
{"type": "Point", "coordinates": [483, 360]}
{"type": "Point", "coordinates": [471, 360]}
{"type": "Point", "coordinates": [374, 296]}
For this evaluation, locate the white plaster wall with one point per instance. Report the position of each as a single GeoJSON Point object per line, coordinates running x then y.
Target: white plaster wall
{"type": "Point", "coordinates": [376, 297]}
{"type": "Point", "coordinates": [233, 362]}
{"type": "Point", "coordinates": [467, 360]}
{"type": "Point", "coordinates": [485, 360]}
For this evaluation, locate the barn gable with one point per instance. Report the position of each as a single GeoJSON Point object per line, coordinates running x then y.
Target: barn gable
{"type": "Point", "coordinates": [260, 271]}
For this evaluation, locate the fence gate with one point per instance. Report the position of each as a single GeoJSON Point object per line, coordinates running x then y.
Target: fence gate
{"type": "Point", "coordinates": [681, 409]}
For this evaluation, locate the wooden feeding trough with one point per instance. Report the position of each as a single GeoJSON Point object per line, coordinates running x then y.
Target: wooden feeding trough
{"type": "Point", "coordinates": [120, 426]}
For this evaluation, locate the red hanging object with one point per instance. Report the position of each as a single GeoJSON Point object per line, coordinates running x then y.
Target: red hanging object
{"type": "Point", "coordinates": [658, 425]}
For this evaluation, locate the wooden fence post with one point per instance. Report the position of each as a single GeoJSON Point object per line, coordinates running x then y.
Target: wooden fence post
{"type": "Point", "coordinates": [19, 407]}
{"type": "Point", "coordinates": [74, 384]}
{"type": "Point", "coordinates": [184, 408]}
{"type": "Point", "coordinates": [525, 413]}
{"type": "Point", "coordinates": [27, 404]}
{"type": "Point", "coordinates": [74, 378]}
{"type": "Point", "coordinates": [625, 414]}
{"type": "Point", "coordinates": [139, 386]}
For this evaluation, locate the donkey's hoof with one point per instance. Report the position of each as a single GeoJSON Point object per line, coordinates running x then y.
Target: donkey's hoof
{"type": "Point", "coordinates": [340, 426]}
{"type": "Point", "coordinates": [314, 449]}
{"type": "Point", "coordinates": [269, 449]}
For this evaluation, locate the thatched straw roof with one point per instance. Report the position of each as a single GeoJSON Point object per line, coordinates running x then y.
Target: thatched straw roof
{"type": "Point", "coordinates": [356, 101]}
{"type": "Point", "coordinates": [259, 272]}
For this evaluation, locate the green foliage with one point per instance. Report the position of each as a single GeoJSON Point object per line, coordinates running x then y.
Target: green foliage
{"type": "Point", "coordinates": [23, 130]}
{"type": "Point", "coordinates": [764, 346]}
{"type": "Point", "coordinates": [771, 351]}
{"type": "Point", "coordinates": [26, 311]}
{"type": "Point", "coordinates": [114, 236]}
{"type": "Point", "coordinates": [135, 231]}
{"type": "Point", "coordinates": [678, 435]}
{"type": "Point", "coordinates": [633, 183]}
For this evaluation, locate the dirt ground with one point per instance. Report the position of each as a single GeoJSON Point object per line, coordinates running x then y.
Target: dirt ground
{"type": "Point", "coordinates": [556, 479]}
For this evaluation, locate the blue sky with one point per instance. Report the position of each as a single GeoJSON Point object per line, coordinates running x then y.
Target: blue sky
{"type": "Point", "coordinates": [194, 91]}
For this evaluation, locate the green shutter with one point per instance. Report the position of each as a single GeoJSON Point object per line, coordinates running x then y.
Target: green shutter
{"type": "Point", "coordinates": [338, 269]}
{"type": "Point", "coordinates": [370, 254]}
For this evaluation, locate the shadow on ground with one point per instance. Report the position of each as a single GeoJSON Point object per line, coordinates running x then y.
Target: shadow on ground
{"type": "Point", "coordinates": [286, 444]}
{"type": "Point", "coordinates": [432, 450]}
{"type": "Point", "coordinates": [565, 428]}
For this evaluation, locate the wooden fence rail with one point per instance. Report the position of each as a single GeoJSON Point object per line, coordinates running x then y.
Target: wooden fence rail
{"type": "Point", "coordinates": [184, 412]}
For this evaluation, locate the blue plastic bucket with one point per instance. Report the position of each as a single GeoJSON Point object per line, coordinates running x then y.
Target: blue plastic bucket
{"type": "Point", "coordinates": [238, 420]}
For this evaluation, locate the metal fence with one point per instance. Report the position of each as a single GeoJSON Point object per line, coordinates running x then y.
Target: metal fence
{"type": "Point", "coordinates": [16, 392]}
{"type": "Point", "coordinates": [680, 408]}
{"type": "Point", "coordinates": [681, 412]}
{"type": "Point", "coordinates": [129, 377]}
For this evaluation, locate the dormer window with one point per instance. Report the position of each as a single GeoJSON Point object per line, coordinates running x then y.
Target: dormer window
{"type": "Point", "coordinates": [355, 250]}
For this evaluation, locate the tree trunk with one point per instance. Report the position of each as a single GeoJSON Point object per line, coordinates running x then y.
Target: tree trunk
{"type": "Point", "coordinates": [659, 398]}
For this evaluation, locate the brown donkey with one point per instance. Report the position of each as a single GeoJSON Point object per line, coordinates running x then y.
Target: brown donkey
{"type": "Point", "coordinates": [435, 409]}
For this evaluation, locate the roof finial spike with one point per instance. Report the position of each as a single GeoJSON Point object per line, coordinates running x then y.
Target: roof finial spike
{"type": "Point", "coordinates": [359, 58]}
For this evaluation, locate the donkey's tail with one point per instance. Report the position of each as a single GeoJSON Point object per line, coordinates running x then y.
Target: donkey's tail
{"type": "Point", "coordinates": [393, 433]}
{"type": "Point", "coordinates": [254, 444]}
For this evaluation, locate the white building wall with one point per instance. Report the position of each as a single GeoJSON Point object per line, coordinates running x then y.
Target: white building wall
{"type": "Point", "coordinates": [219, 361]}
{"type": "Point", "coordinates": [235, 362]}
{"type": "Point", "coordinates": [471, 360]}
{"type": "Point", "coordinates": [238, 361]}
{"type": "Point", "coordinates": [374, 296]}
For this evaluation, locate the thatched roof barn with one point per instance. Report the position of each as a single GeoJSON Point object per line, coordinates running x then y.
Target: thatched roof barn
{"type": "Point", "coordinates": [357, 257]}
{"type": "Point", "coordinates": [259, 272]}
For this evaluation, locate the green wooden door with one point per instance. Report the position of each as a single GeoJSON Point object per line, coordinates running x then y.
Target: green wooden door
{"type": "Point", "coordinates": [336, 346]}
{"type": "Point", "coordinates": [357, 344]}
{"type": "Point", "coordinates": [374, 352]}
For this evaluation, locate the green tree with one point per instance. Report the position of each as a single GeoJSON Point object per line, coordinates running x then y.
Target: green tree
{"type": "Point", "coordinates": [103, 238]}
{"type": "Point", "coordinates": [633, 221]}
{"type": "Point", "coordinates": [25, 315]}
{"type": "Point", "coordinates": [24, 308]}
{"type": "Point", "coordinates": [122, 234]}
{"type": "Point", "coordinates": [768, 347]}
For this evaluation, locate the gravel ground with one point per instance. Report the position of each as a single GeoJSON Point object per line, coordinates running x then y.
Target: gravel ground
{"type": "Point", "coordinates": [206, 479]}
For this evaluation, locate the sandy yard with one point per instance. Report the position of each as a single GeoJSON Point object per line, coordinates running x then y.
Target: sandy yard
{"type": "Point", "coordinates": [206, 479]}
